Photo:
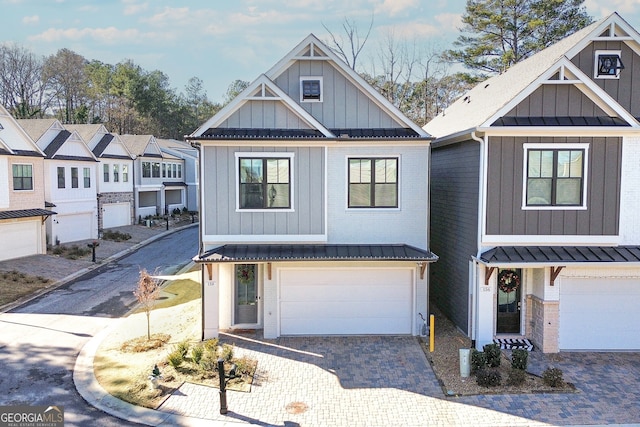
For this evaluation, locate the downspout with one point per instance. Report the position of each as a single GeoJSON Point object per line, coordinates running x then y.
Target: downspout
{"type": "Point", "coordinates": [473, 303]}
{"type": "Point", "coordinates": [200, 245]}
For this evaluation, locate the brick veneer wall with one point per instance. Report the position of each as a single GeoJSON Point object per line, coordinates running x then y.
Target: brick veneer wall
{"type": "Point", "coordinates": [543, 325]}
{"type": "Point", "coordinates": [106, 198]}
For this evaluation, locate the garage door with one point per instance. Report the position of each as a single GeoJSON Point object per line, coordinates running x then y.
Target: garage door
{"type": "Point", "coordinates": [71, 228]}
{"type": "Point", "coordinates": [20, 239]}
{"type": "Point", "coordinates": [346, 301]}
{"type": "Point", "coordinates": [599, 314]}
{"type": "Point", "coordinates": [116, 215]}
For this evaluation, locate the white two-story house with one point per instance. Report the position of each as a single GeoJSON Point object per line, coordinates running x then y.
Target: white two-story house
{"type": "Point", "coordinates": [22, 203]}
{"type": "Point", "coordinates": [189, 168]}
{"type": "Point", "coordinates": [314, 205]}
{"type": "Point", "coordinates": [69, 181]}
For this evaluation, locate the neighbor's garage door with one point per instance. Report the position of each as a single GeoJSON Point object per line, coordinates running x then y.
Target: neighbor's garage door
{"type": "Point", "coordinates": [71, 228]}
{"type": "Point", "coordinates": [20, 239]}
{"type": "Point", "coordinates": [599, 314]}
{"type": "Point", "coordinates": [346, 301]}
{"type": "Point", "coordinates": [116, 215]}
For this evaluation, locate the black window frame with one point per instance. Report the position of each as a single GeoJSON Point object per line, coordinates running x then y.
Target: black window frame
{"type": "Point", "coordinates": [61, 177]}
{"type": "Point", "coordinates": [74, 177]}
{"type": "Point", "coordinates": [22, 176]}
{"type": "Point", "coordinates": [105, 172]}
{"type": "Point", "coordinates": [146, 169]}
{"type": "Point", "coordinates": [311, 89]}
{"type": "Point", "coordinates": [372, 183]}
{"type": "Point", "coordinates": [262, 191]}
{"type": "Point", "coordinates": [554, 178]}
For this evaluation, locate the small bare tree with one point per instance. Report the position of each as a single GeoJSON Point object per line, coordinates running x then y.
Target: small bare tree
{"type": "Point", "coordinates": [147, 292]}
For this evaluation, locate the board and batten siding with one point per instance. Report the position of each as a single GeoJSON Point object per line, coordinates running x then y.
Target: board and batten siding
{"type": "Point", "coordinates": [264, 115]}
{"type": "Point", "coordinates": [454, 226]}
{"type": "Point", "coordinates": [344, 105]}
{"type": "Point", "coordinates": [505, 170]}
{"type": "Point", "coordinates": [557, 101]}
{"type": "Point", "coordinates": [219, 195]}
{"type": "Point", "coordinates": [623, 90]}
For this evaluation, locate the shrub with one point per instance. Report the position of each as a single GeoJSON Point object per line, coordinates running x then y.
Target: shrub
{"type": "Point", "coordinates": [553, 377]}
{"type": "Point", "coordinates": [211, 345]}
{"type": "Point", "coordinates": [493, 354]}
{"type": "Point", "coordinates": [227, 352]}
{"type": "Point", "coordinates": [183, 348]}
{"type": "Point", "coordinates": [478, 360]}
{"type": "Point", "coordinates": [115, 236]}
{"type": "Point", "coordinates": [176, 358]}
{"type": "Point", "coordinates": [185, 210]}
{"type": "Point", "coordinates": [243, 366]}
{"type": "Point", "coordinates": [516, 377]}
{"type": "Point", "coordinates": [197, 352]}
{"type": "Point", "coordinates": [208, 363]}
{"type": "Point", "coordinates": [176, 211]}
{"type": "Point", "coordinates": [519, 359]}
{"type": "Point", "coordinates": [488, 378]}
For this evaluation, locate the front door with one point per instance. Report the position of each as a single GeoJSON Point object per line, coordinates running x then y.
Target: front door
{"type": "Point", "coordinates": [508, 316]}
{"type": "Point", "coordinates": [246, 294]}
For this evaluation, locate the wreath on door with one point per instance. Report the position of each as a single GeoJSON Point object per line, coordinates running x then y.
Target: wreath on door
{"type": "Point", "coordinates": [508, 281]}
{"type": "Point", "coordinates": [245, 273]}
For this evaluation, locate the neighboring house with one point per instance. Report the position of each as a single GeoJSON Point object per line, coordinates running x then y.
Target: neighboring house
{"type": "Point", "coordinates": [69, 180]}
{"type": "Point", "coordinates": [114, 177]}
{"type": "Point", "coordinates": [314, 205]}
{"type": "Point", "coordinates": [189, 155]}
{"type": "Point", "coordinates": [535, 197]}
{"type": "Point", "coordinates": [22, 203]}
{"type": "Point", "coordinates": [159, 185]}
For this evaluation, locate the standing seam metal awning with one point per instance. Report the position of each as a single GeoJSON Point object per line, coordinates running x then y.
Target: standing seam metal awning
{"type": "Point", "coordinates": [317, 252]}
{"type": "Point", "coordinates": [560, 254]}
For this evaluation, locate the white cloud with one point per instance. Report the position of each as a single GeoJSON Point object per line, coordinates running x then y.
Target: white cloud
{"type": "Point", "coordinates": [109, 35]}
{"type": "Point", "coordinates": [132, 8]}
{"type": "Point", "coordinates": [600, 9]}
{"type": "Point", "coordinates": [395, 7]}
{"type": "Point", "coordinates": [28, 20]}
{"type": "Point", "coordinates": [171, 16]}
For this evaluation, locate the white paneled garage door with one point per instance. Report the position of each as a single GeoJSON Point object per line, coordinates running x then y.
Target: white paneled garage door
{"type": "Point", "coordinates": [116, 214]}
{"type": "Point", "coordinates": [71, 228]}
{"type": "Point", "coordinates": [20, 239]}
{"type": "Point", "coordinates": [346, 301]}
{"type": "Point", "coordinates": [599, 314]}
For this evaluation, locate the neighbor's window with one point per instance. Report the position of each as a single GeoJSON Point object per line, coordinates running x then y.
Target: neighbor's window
{"type": "Point", "coordinates": [555, 177]}
{"type": "Point", "coordinates": [74, 177]}
{"type": "Point", "coordinates": [61, 183]}
{"type": "Point", "coordinates": [607, 64]}
{"type": "Point", "coordinates": [125, 173]}
{"type": "Point", "coordinates": [164, 170]}
{"type": "Point", "coordinates": [146, 169]}
{"type": "Point", "coordinates": [105, 169]}
{"type": "Point", "coordinates": [87, 177]}
{"type": "Point", "coordinates": [155, 170]}
{"type": "Point", "coordinates": [179, 171]}
{"type": "Point", "coordinates": [265, 183]}
{"type": "Point", "coordinates": [373, 182]}
{"type": "Point", "coordinates": [22, 177]}
{"type": "Point", "coordinates": [311, 89]}
{"type": "Point", "coordinates": [116, 173]}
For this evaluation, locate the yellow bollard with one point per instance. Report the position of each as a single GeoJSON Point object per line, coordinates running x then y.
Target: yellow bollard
{"type": "Point", "coordinates": [432, 334]}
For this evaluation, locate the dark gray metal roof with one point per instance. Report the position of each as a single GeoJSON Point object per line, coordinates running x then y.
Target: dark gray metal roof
{"type": "Point", "coordinates": [25, 213]}
{"type": "Point", "coordinates": [376, 133]}
{"type": "Point", "coordinates": [560, 254]}
{"type": "Point", "coordinates": [57, 142]}
{"type": "Point", "coordinates": [174, 184]}
{"type": "Point", "coordinates": [27, 153]}
{"type": "Point", "coordinates": [242, 133]}
{"type": "Point", "coordinates": [102, 144]}
{"type": "Point", "coordinates": [560, 121]}
{"type": "Point", "coordinates": [317, 252]}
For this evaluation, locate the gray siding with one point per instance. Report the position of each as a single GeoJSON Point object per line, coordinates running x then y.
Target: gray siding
{"type": "Point", "coordinates": [505, 215]}
{"type": "Point", "coordinates": [219, 202]}
{"type": "Point", "coordinates": [343, 106]}
{"type": "Point", "coordinates": [556, 100]}
{"type": "Point", "coordinates": [454, 226]}
{"type": "Point", "coordinates": [623, 89]}
{"type": "Point", "coordinates": [264, 115]}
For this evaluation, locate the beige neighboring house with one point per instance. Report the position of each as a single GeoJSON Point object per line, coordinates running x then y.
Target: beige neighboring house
{"type": "Point", "coordinates": [159, 185]}
{"type": "Point", "coordinates": [116, 205]}
{"type": "Point", "coordinates": [22, 197]}
{"type": "Point", "coordinates": [70, 170]}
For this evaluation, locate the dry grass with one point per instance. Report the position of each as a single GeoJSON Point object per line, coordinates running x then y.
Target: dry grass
{"type": "Point", "coordinates": [445, 361]}
{"type": "Point", "coordinates": [15, 285]}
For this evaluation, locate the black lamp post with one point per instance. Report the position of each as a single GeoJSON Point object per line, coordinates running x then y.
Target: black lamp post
{"type": "Point", "coordinates": [223, 384]}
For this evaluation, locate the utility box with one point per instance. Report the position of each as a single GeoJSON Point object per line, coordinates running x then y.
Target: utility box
{"type": "Point", "coordinates": [465, 362]}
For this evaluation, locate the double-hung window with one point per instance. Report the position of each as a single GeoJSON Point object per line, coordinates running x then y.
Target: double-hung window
{"type": "Point", "coordinates": [61, 183]}
{"type": "Point", "coordinates": [87, 177]}
{"type": "Point", "coordinates": [125, 173]}
{"type": "Point", "coordinates": [146, 169]}
{"type": "Point", "coordinates": [373, 182]}
{"type": "Point", "coordinates": [22, 177]}
{"type": "Point", "coordinates": [105, 170]}
{"type": "Point", "coordinates": [555, 177]}
{"type": "Point", "coordinates": [264, 182]}
{"type": "Point", "coordinates": [155, 170]}
{"type": "Point", "coordinates": [116, 173]}
{"type": "Point", "coordinates": [74, 177]}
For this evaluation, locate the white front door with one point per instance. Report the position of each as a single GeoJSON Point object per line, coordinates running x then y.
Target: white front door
{"type": "Point", "coordinates": [246, 294]}
{"type": "Point", "coordinates": [346, 301]}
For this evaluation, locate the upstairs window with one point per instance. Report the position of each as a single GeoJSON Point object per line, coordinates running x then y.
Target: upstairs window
{"type": "Point", "coordinates": [555, 177]}
{"type": "Point", "coordinates": [155, 170]}
{"type": "Point", "coordinates": [116, 173]}
{"type": "Point", "coordinates": [146, 169]}
{"type": "Point", "coordinates": [264, 183]}
{"type": "Point", "coordinates": [22, 177]}
{"type": "Point", "coordinates": [607, 64]}
{"type": "Point", "coordinates": [125, 173]}
{"type": "Point", "coordinates": [61, 183]}
{"type": "Point", "coordinates": [87, 177]}
{"type": "Point", "coordinates": [105, 169]}
{"type": "Point", "coordinates": [74, 177]}
{"type": "Point", "coordinates": [373, 182]}
{"type": "Point", "coordinates": [310, 89]}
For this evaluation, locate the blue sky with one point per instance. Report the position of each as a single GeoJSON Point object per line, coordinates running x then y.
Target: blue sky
{"type": "Point", "coordinates": [220, 40]}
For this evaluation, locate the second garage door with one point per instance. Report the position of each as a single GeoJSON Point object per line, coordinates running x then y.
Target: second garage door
{"type": "Point", "coordinates": [346, 301]}
{"type": "Point", "coordinates": [599, 314]}
{"type": "Point", "coordinates": [116, 214]}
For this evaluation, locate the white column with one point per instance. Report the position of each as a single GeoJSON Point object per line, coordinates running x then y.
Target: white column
{"type": "Point", "coordinates": [211, 301]}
